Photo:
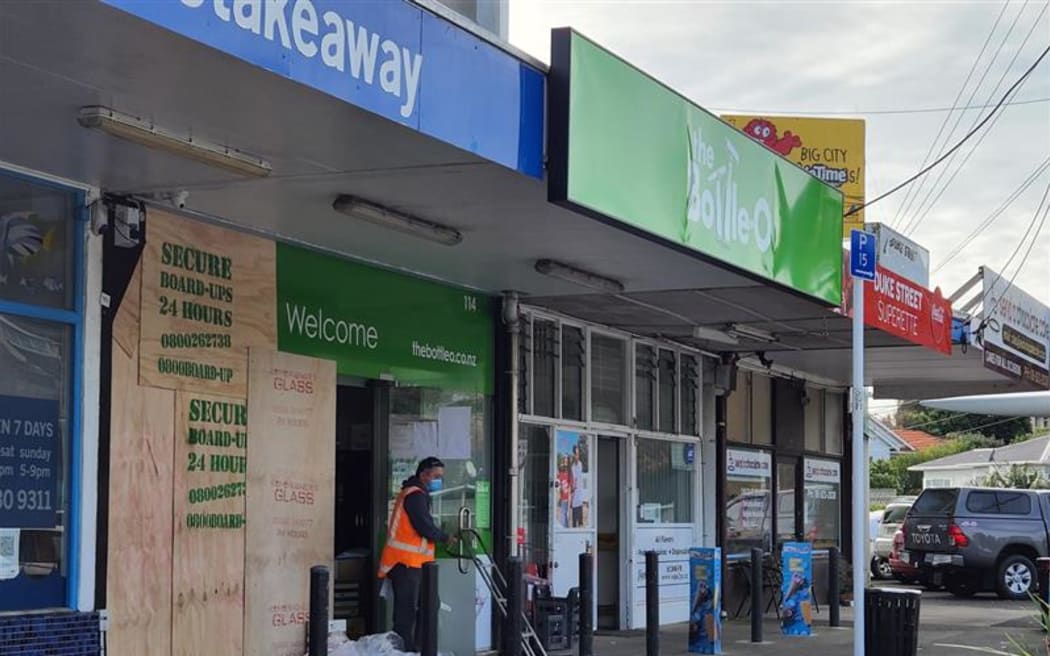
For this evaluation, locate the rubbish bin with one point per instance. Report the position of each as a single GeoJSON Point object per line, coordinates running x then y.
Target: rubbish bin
{"type": "Point", "coordinates": [891, 622]}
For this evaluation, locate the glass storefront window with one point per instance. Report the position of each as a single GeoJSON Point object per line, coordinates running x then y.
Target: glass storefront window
{"type": "Point", "coordinates": [833, 418]}
{"type": "Point", "coordinates": [608, 379]}
{"type": "Point", "coordinates": [749, 522]}
{"type": "Point", "coordinates": [572, 368]}
{"type": "Point", "coordinates": [814, 419]}
{"type": "Point", "coordinates": [690, 388]}
{"type": "Point", "coordinates": [665, 481]}
{"type": "Point", "coordinates": [34, 456]}
{"type": "Point", "coordinates": [822, 482]}
{"type": "Point", "coordinates": [525, 367]}
{"type": "Point", "coordinates": [668, 393]}
{"type": "Point", "coordinates": [454, 426]}
{"type": "Point", "coordinates": [786, 526]}
{"type": "Point", "coordinates": [644, 385]}
{"type": "Point", "coordinates": [536, 497]}
{"type": "Point", "coordinates": [738, 410]}
{"type": "Point", "coordinates": [544, 367]}
{"type": "Point", "coordinates": [36, 237]}
{"type": "Point", "coordinates": [761, 409]}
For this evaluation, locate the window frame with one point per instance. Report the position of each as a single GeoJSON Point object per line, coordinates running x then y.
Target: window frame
{"type": "Point", "coordinates": [74, 319]}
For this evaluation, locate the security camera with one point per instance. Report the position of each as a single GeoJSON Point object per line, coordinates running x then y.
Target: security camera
{"type": "Point", "coordinates": [179, 198]}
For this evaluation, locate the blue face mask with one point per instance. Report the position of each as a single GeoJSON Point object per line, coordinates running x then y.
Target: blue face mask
{"type": "Point", "coordinates": [435, 485]}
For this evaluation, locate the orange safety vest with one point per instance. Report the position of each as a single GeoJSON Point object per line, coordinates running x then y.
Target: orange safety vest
{"type": "Point", "coordinates": [404, 545]}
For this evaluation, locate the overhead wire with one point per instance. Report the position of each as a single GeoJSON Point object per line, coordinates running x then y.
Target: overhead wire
{"type": "Point", "coordinates": [958, 145]}
{"type": "Point", "coordinates": [954, 251]}
{"type": "Point", "coordinates": [873, 112]}
{"type": "Point", "coordinates": [989, 313]}
{"type": "Point", "coordinates": [932, 197]}
{"type": "Point", "coordinates": [933, 144]}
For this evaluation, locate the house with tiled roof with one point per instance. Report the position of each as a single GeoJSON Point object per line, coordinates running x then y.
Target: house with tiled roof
{"type": "Point", "coordinates": [885, 442]}
{"type": "Point", "coordinates": [918, 440]}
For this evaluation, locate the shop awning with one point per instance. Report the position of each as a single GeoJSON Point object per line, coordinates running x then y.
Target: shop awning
{"type": "Point", "coordinates": [64, 56]}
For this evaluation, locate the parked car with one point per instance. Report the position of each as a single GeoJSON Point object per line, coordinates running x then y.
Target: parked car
{"type": "Point", "coordinates": [976, 539]}
{"type": "Point", "coordinates": [902, 570]}
{"type": "Point", "coordinates": [892, 518]}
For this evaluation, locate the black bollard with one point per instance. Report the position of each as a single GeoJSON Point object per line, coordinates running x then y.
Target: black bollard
{"type": "Point", "coordinates": [586, 607]}
{"type": "Point", "coordinates": [428, 615]}
{"type": "Point", "coordinates": [515, 603]}
{"type": "Point", "coordinates": [1043, 566]}
{"type": "Point", "coordinates": [834, 604]}
{"type": "Point", "coordinates": [756, 595]}
{"type": "Point", "coordinates": [318, 635]}
{"type": "Point", "coordinates": [652, 604]}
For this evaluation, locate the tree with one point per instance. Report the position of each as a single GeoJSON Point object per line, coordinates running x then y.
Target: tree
{"type": "Point", "coordinates": [944, 423]}
{"type": "Point", "coordinates": [1015, 477]}
{"type": "Point", "coordinates": [893, 473]}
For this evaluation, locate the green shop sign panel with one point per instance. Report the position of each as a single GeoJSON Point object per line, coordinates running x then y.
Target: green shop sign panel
{"type": "Point", "coordinates": [379, 324]}
{"type": "Point", "coordinates": [627, 148]}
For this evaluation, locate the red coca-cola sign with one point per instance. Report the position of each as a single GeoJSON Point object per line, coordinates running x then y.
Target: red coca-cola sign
{"type": "Point", "coordinates": [906, 309]}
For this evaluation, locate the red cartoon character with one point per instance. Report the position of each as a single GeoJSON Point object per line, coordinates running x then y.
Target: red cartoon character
{"type": "Point", "coordinates": [762, 130]}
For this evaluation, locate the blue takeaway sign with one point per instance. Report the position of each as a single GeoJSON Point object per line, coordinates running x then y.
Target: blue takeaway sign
{"type": "Point", "coordinates": [29, 462]}
{"type": "Point", "coordinates": [390, 57]}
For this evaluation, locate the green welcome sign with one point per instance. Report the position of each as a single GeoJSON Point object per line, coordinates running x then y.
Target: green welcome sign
{"type": "Point", "coordinates": [379, 324]}
{"type": "Point", "coordinates": [625, 147]}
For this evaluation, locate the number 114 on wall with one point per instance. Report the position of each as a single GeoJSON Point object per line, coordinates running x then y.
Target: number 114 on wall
{"type": "Point", "coordinates": [470, 303]}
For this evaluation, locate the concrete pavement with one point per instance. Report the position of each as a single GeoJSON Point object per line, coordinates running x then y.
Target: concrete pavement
{"type": "Point", "coordinates": [948, 627]}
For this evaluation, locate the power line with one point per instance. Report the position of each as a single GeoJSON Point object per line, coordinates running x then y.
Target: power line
{"type": "Point", "coordinates": [956, 147]}
{"type": "Point", "coordinates": [989, 313]}
{"type": "Point", "coordinates": [873, 112]}
{"type": "Point", "coordinates": [974, 429]}
{"type": "Point", "coordinates": [924, 209]}
{"type": "Point", "coordinates": [959, 247]}
{"type": "Point", "coordinates": [902, 208]}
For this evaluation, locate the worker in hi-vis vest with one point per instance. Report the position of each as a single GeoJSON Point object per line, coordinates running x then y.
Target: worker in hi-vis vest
{"type": "Point", "coordinates": [410, 539]}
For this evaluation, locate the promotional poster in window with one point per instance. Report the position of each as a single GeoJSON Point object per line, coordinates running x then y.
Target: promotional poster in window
{"type": "Point", "coordinates": [705, 609]}
{"type": "Point", "coordinates": [796, 609]}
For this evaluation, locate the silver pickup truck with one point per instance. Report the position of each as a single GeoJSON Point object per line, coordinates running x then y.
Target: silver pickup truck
{"type": "Point", "coordinates": [976, 539]}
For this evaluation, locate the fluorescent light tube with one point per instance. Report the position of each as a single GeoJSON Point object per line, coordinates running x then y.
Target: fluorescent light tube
{"type": "Point", "coordinates": [579, 276]}
{"type": "Point", "coordinates": [146, 133]}
{"type": "Point", "coordinates": [364, 210]}
{"type": "Point", "coordinates": [739, 330]}
{"type": "Point", "coordinates": [714, 335]}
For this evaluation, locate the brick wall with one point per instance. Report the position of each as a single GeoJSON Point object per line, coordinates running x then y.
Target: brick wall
{"type": "Point", "coordinates": [49, 634]}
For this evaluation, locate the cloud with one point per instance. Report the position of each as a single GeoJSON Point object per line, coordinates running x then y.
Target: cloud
{"type": "Point", "coordinates": [816, 56]}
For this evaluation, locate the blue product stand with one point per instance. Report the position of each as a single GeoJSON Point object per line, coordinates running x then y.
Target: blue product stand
{"type": "Point", "coordinates": [705, 606]}
{"type": "Point", "coordinates": [796, 609]}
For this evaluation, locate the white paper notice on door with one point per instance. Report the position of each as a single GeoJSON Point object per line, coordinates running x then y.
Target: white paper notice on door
{"type": "Point", "coordinates": [413, 440]}
{"type": "Point", "coordinates": [454, 432]}
{"type": "Point", "coordinates": [9, 553]}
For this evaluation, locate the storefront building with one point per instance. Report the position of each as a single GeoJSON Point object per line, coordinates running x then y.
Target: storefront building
{"type": "Point", "coordinates": [236, 327]}
{"type": "Point", "coordinates": [611, 423]}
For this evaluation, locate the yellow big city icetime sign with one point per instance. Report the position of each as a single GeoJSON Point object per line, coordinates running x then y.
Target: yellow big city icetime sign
{"type": "Point", "coordinates": [831, 149]}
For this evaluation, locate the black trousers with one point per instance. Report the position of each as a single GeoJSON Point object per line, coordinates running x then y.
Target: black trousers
{"type": "Point", "coordinates": [406, 582]}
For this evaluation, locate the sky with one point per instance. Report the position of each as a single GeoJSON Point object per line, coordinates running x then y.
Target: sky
{"type": "Point", "coordinates": [862, 59]}
{"type": "Point", "coordinates": [855, 59]}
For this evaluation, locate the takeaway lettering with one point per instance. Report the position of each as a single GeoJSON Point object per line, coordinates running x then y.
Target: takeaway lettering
{"type": "Point", "coordinates": [341, 44]}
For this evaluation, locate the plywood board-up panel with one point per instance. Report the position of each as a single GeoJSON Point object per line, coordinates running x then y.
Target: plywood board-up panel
{"type": "Point", "coordinates": [290, 496]}
{"type": "Point", "coordinates": [126, 323]}
{"type": "Point", "coordinates": [208, 294]}
{"type": "Point", "coordinates": [211, 434]}
{"type": "Point", "coordinates": [138, 569]}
